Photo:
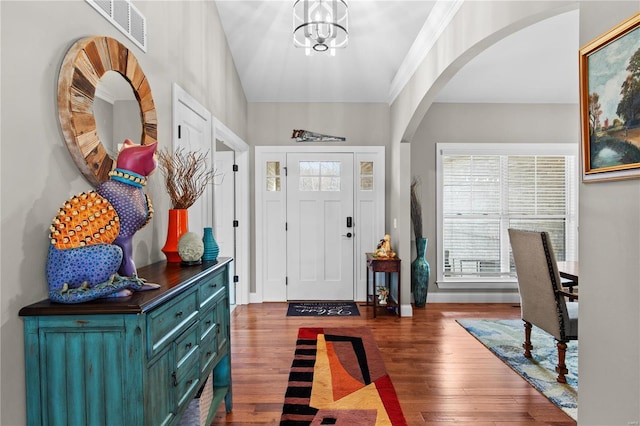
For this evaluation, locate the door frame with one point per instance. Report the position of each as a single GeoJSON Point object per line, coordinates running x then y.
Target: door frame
{"type": "Point", "coordinates": [243, 231]}
{"type": "Point", "coordinates": [270, 218]}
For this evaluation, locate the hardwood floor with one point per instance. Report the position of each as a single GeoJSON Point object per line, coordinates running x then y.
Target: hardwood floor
{"type": "Point", "coordinates": [442, 374]}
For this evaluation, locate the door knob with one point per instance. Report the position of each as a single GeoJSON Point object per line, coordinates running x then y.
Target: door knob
{"type": "Point", "coordinates": [348, 235]}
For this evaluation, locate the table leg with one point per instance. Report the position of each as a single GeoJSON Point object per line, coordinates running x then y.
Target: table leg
{"type": "Point", "coordinates": [374, 297]}
{"type": "Point", "coordinates": [398, 287]}
{"type": "Point", "coordinates": [366, 274]}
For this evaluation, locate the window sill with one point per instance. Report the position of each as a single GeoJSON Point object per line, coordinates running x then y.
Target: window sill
{"type": "Point", "coordinates": [470, 284]}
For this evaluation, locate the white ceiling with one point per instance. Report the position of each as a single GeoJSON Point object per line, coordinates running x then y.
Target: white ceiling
{"type": "Point", "coordinates": [538, 64]}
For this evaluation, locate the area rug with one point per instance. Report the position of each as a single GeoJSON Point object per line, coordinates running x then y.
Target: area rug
{"type": "Point", "coordinates": [323, 309]}
{"type": "Point", "coordinates": [505, 337]}
{"type": "Point", "coordinates": [338, 377]}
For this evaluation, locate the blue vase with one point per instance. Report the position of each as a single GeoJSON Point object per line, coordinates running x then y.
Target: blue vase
{"type": "Point", "coordinates": [211, 248]}
{"type": "Point", "coordinates": [420, 271]}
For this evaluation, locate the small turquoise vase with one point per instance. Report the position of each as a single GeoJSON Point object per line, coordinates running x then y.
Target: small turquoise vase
{"type": "Point", "coordinates": [211, 248]}
{"type": "Point", "coordinates": [420, 271]}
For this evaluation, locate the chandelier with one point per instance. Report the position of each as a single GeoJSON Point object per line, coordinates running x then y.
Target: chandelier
{"type": "Point", "coordinates": [321, 25]}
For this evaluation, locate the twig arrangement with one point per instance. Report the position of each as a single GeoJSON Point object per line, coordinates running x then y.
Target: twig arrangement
{"type": "Point", "coordinates": [416, 209]}
{"type": "Point", "coordinates": [185, 174]}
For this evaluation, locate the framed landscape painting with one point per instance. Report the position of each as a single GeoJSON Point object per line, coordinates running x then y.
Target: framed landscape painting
{"type": "Point", "coordinates": [610, 104]}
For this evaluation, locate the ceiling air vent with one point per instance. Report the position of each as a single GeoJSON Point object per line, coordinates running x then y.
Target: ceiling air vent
{"type": "Point", "coordinates": [125, 17]}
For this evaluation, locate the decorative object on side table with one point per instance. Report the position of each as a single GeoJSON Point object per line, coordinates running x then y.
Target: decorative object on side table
{"type": "Point", "coordinates": [383, 293]}
{"type": "Point", "coordinates": [420, 269]}
{"type": "Point", "coordinates": [91, 250]}
{"type": "Point", "coordinates": [384, 248]}
{"type": "Point", "coordinates": [186, 176]}
{"type": "Point", "coordinates": [211, 248]}
{"type": "Point", "coordinates": [190, 249]}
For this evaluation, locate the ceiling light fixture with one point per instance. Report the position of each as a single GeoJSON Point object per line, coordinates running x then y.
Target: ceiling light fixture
{"type": "Point", "coordinates": [321, 25]}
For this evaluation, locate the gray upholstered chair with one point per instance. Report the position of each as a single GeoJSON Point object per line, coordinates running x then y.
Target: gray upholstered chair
{"type": "Point", "coordinates": [542, 299]}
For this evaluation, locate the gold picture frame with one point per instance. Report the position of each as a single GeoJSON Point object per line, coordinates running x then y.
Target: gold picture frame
{"type": "Point", "coordinates": [610, 104]}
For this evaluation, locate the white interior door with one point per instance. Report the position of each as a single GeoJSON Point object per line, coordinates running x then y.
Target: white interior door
{"type": "Point", "coordinates": [320, 241]}
{"type": "Point", "coordinates": [192, 132]}
{"type": "Point", "coordinates": [224, 207]}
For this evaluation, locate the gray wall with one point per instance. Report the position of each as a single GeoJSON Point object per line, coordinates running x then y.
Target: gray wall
{"type": "Point", "coordinates": [186, 45]}
{"type": "Point", "coordinates": [609, 275]}
{"type": "Point", "coordinates": [479, 123]}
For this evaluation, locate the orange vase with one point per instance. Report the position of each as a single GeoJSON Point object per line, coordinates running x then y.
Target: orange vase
{"type": "Point", "coordinates": [178, 225]}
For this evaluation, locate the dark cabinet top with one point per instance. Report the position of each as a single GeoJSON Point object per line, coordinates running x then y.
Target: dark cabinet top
{"type": "Point", "coordinates": [173, 279]}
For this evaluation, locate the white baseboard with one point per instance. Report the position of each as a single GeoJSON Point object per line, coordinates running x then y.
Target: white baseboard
{"type": "Point", "coordinates": [473, 297]}
{"type": "Point", "coordinates": [406, 310]}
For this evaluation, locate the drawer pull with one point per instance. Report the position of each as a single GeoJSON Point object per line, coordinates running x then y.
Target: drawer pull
{"type": "Point", "coordinates": [189, 382]}
{"type": "Point", "coordinates": [175, 379]}
{"type": "Point", "coordinates": [208, 323]}
{"type": "Point", "coordinates": [188, 345]}
{"type": "Point", "coordinates": [213, 285]}
{"type": "Point", "coordinates": [179, 314]}
{"type": "Point", "coordinates": [209, 354]}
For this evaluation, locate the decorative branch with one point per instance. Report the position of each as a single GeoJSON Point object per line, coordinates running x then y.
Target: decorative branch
{"type": "Point", "coordinates": [416, 209]}
{"type": "Point", "coordinates": [186, 175]}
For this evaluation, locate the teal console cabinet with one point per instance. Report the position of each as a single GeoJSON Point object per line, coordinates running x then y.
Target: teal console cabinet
{"type": "Point", "coordinates": [137, 360]}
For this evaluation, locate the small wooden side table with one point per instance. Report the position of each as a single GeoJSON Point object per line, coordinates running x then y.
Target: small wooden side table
{"type": "Point", "coordinates": [387, 265]}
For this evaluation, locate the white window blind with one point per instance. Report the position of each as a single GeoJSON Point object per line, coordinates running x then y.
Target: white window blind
{"type": "Point", "coordinates": [485, 189]}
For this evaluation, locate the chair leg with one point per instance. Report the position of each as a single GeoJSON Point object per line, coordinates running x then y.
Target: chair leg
{"type": "Point", "coordinates": [561, 368]}
{"type": "Point", "coordinates": [527, 340]}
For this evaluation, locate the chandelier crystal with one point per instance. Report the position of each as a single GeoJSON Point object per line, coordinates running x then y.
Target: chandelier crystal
{"type": "Point", "coordinates": [321, 25]}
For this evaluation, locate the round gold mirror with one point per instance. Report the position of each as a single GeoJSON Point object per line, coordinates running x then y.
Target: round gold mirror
{"type": "Point", "coordinates": [83, 67]}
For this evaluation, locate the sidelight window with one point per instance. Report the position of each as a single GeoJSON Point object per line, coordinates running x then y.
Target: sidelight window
{"type": "Point", "coordinates": [273, 176]}
{"type": "Point", "coordinates": [366, 176]}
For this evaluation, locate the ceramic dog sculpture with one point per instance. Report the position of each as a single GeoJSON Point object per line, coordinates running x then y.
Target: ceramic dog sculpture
{"type": "Point", "coordinates": [91, 250]}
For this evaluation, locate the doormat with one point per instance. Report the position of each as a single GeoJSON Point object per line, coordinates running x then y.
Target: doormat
{"type": "Point", "coordinates": [323, 309]}
{"type": "Point", "coordinates": [338, 377]}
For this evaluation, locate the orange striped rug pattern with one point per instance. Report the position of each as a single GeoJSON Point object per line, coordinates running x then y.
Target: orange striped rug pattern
{"type": "Point", "coordinates": [338, 377]}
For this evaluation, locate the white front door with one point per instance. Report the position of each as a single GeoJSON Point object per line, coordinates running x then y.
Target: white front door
{"type": "Point", "coordinates": [320, 240]}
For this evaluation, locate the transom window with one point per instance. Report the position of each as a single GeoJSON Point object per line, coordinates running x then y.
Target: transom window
{"type": "Point", "coordinates": [485, 189]}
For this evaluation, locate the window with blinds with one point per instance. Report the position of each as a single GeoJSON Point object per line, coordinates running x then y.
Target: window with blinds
{"type": "Point", "coordinates": [484, 192]}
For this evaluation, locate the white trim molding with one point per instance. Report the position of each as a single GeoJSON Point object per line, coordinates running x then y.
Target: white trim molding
{"type": "Point", "coordinates": [439, 18]}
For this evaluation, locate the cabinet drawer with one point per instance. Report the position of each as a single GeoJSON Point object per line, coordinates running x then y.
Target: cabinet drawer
{"type": "Point", "coordinates": [212, 288]}
{"type": "Point", "coordinates": [187, 383]}
{"type": "Point", "coordinates": [208, 349]}
{"type": "Point", "coordinates": [208, 323]}
{"type": "Point", "coordinates": [166, 321]}
{"type": "Point", "coordinates": [186, 344]}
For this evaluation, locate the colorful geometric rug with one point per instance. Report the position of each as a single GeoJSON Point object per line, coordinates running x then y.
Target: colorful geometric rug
{"type": "Point", "coordinates": [323, 309]}
{"type": "Point", "coordinates": [505, 337]}
{"type": "Point", "coordinates": [338, 377]}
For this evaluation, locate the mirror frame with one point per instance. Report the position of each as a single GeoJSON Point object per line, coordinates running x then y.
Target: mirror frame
{"type": "Point", "coordinates": [84, 64]}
